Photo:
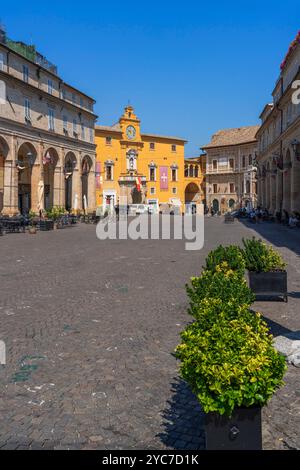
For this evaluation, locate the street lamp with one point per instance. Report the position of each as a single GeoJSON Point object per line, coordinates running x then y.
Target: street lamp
{"type": "Point", "coordinates": [295, 145]}
{"type": "Point", "coordinates": [30, 158]}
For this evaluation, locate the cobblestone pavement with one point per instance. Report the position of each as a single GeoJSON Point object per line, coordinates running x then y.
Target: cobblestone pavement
{"type": "Point", "coordinates": [90, 328]}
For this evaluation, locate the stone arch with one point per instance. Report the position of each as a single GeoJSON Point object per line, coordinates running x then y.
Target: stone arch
{"type": "Point", "coordinates": [296, 181]}
{"type": "Point", "coordinates": [192, 195]}
{"type": "Point", "coordinates": [86, 175]}
{"type": "Point", "coordinates": [50, 160]}
{"type": "Point", "coordinates": [26, 157]}
{"type": "Point", "coordinates": [287, 182]}
{"type": "Point", "coordinates": [216, 205]}
{"type": "Point", "coordinates": [4, 150]}
{"type": "Point", "coordinates": [231, 204]}
{"type": "Point", "coordinates": [268, 186]}
{"type": "Point", "coordinates": [273, 189]}
{"type": "Point", "coordinates": [70, 164]}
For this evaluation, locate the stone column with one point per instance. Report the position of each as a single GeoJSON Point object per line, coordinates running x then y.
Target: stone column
{"type": "Point", "coordinates": [37, 175]}
{"type": "Point", "coordinates": [57, 186]}
{"type": "Point", "coordinates": [92, 190]}
{"type": "Point", "coordinates": [295, 206]}
{"type": "Point", "coordinates": [279, 190]}
{"type": "Point", "coordinates": [62, 184]}
{"type": "Point", "coordinates": [77, 186]}
{"type": "Point", "coordinates": [10, 183]}
{"type": "Point", "coordinates": [273, 193]}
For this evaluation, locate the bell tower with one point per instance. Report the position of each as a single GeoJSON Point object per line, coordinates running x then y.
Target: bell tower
{"type": "Point", "coordinates": [130, 126]}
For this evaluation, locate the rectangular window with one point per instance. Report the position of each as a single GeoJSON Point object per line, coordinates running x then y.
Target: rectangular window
{"type": "Point", "coordinates": [25, 73]}
{"type": "Point", "coordinates": [75, 128]}
{"type": "Point", "coordinates": [65, 124]}
{"type": "Point", "coordinates": [73, 98]}
{"type": "Point", "coordinates": [82, 132]}
{"type": "Point", "coordinates": [173, 148]}
{"type": "Point", "coordinates": [1, 61]}
{"type": "Point", "coordinates": [152, 190]}
{"type": "Point", "coordinates": [51, 119]}
{"type": "Point", "coordinates": [91, 135]}
{"type": "Point", "coordinates": [174, 174]}
{"type": "Point", "coordinates": [215, 164]}
{"type": "Point", "coordinates": [231, 187]}
{"type": "Point", "coordinates": [27, 110]}
{"type": "Point", "coordinates": [174, 190]}
{"type": "Point", "coordinates": [231, 163]}
{"type": "Point", "coordinates": [152, 146]}
{"type": "Point", "coordinates": [215, 188]}
{"type": "Point", "coordinates": [243, 161]}
{"type": "Point", "coordinates": [250, 160]}
{"type": "Point", "coordinates": [152, 174]}
{"type": "Point", "coordinates": [108, 172]}
{"type": "Point", "coordinates": [108, 140]}
{"type": "Point", "coordinates": [81, 102]}
{"type": "Point", "coordinates": [62, 94]}
{"type": "Point", "coordinates": [50, 86]}
{"type": "Point", "coordinates": [223, 162]}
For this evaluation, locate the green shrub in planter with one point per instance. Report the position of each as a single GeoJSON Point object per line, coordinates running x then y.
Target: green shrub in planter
{"type": "Point", "coordinates": [232, 255]}
{"type": "Point", "coordinates": [224, 284]}
{"type": "Point", "coordinates": [260, 257]}
{"type": "Point", "coordinates": [209, 309]}
{"type": "Point", "coordinates": [231, 364]}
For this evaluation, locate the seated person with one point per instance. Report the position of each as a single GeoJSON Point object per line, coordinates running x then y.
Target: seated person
{"type": "Point", "coordinates": [293, 220]}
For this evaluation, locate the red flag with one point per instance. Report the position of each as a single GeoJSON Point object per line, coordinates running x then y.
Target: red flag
{"type": "Point", "coordinates": [138, 184]}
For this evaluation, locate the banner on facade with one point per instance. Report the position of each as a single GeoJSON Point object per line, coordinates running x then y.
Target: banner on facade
{"type": "Point", "coordinates": [47, 158]}
{"type": "Point", "coordinates": [163, 177]}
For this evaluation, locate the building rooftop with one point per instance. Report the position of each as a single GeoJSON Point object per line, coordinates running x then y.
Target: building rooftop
{"type": "Point", "coordinates": [235, 136]}
{"type": "Point", "coordinates": [30, 53]}
{"type": "Point", "coordinates": [27, 51]}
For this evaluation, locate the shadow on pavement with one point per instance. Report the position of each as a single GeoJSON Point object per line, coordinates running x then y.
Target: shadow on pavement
{"type": "Point", "coordinates": [278, 235]}
{"type": "Point", "coordinates": [183, 419]}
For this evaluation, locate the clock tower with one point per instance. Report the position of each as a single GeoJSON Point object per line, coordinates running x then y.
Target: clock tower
{"type": "Point", "coordinates": [130, 126]}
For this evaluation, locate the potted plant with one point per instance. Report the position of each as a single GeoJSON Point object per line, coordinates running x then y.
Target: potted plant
{"type": "Point", "coordinates": [231, 254]}
{"type": "Point", "coordinates": [233, 369]}
{"type": "Point", "coordinates": [266, 269]}
{"type": "Point", "coordinates": [32, 229]}
{"type": "Point", "coordinates": [227, 355]}
{"type": "Point", "coordinates": [218, 283]}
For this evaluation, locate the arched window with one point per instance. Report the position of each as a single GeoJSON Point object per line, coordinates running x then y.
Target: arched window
{"type": "Point", "coordinates": [186, 171]}
{"type": "Point", "coordinates": [191, 172]}
{"type": "Point", "coordinates": [196, 171]}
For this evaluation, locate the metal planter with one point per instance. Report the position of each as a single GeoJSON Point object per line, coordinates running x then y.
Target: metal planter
{"type": "Point", "coordinates": [228, 219]}
{"type": "Point", "coordinates": [240, 432]}
{"type": "Point", "coordinates": [268, 284]}
{"type": "Point", "coordinates": [46, 225]}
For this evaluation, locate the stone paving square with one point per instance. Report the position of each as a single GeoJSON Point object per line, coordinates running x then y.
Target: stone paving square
{"type": "Point", "coordinates": [90, 328]}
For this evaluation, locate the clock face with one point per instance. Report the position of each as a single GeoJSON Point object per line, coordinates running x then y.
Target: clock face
{"type": "Point", "coordinates": [130, 132]}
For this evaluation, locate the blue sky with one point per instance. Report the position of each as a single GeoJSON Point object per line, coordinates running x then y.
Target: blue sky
{"type": "Point", "coordinates": [189, 68]}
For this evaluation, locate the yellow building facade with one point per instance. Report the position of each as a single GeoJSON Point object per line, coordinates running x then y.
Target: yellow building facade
{"type": "Point", "coordinates": [144, 168]}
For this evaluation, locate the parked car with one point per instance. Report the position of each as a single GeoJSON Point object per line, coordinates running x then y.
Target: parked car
{"type": "Point", "coordinates": [166, 208]}
{"type": "Point", "coordinates": [135, 209]}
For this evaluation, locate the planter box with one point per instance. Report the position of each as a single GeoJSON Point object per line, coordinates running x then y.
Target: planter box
{"type": "Point", "coordinates": [270, 284]}
{"type": "Point", "coordinates": [240, 432]}
{"type": "Point", "coordinates": [229, 219]}
{"type": "Point", "coordinates": [46, 225]}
